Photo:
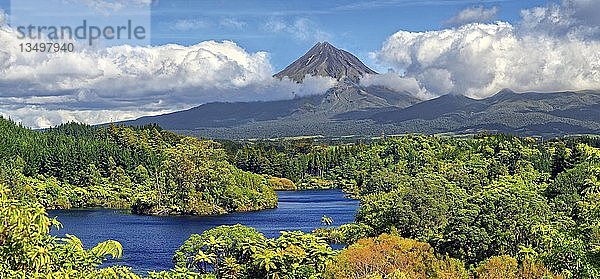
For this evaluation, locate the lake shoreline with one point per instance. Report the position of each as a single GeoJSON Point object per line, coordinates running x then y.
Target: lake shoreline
{"type": "Point", "coordinates": [150, 241]}
{"type": "Point", "coordinates": [347, 195]}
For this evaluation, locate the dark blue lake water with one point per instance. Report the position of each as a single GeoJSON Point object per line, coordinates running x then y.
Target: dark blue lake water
{"type": "Point", "coordinates": [149, 242]}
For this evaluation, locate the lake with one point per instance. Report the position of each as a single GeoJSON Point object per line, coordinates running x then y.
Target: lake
{"type": "Point", "coordinates": [149, 242]}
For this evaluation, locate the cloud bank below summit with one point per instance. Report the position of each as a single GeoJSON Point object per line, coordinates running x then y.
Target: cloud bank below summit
{"type": "Point", "coordinates": [553, 48]}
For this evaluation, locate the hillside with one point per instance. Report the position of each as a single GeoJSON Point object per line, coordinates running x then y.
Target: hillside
{"type": "Point", "coordinates": [530, 113]}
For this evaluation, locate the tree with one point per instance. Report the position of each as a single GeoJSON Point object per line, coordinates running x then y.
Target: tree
{"type": "Point", "coordinates": [27, 249]}
{"type": "Point", "coordinates": [267, 260]}
{"type": "Point", "coordinates": [506, 267]}
{"type": "Point", "coordinates": [326, 221]}
{"type": "Point", "coordinates": [388, 256]}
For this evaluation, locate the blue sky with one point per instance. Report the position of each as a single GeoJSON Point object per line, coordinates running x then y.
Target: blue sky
{"type": "Point", "coordinates": [357, 26]}
{"type": "Point", "coordinates": [360, 27]}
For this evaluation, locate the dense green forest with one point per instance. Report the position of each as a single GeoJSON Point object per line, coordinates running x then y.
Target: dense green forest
{"type": "Point", "coordinates": [147, 169]}
{"type": "Point", "coordinates": [491, 206]}
{"type": "Point", "coordinates": [470, 199]}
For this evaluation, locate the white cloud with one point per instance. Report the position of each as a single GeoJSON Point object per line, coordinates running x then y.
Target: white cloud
{"type": "Point", "coordinates": [311, 85]}
{"type": "Point", "coordinates": [189, 24]}
{"type": "Point", "coordinates": [124, 82]}
{"type": "Point", "coordinates": [40, 117]}
{"type": "Point", "coordinates": [185, 25]}
{"type": "Point", "coordinates": [276, 25]}
{"type": "Point", "coordinates": [2, 18]}
{"type": "Point", "coordinates": [233, 23]}
{"type": "Point", "coordinates": [571, 18]}
{"type": "Point", "coordinates": [478, 59]}
{"type": "Point", "coordinates": [302, 29]}
{"type": "Point", "coordinates": [473, 14]}
{"type": "Point", "coordinates": [108, 6]}
{"type": "Point", "coordinates": [397, 83]}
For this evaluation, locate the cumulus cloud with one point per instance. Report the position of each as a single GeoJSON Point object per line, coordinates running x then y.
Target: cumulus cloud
{"type": "Point", "coordinates": [301, 29]}
{"type": "Point", "coordinates": [2, 18]}
{"type": "Point", "coordinates": [473, 14]}
{"type": "Point", "coordinates": [576, 19]}
{"type": "Point", "coordinates": [478, 59]}
{"type": "Point", "coordinates": [124, 82]}
{"type": "Point", "coordinates": [108, 6]}
{"type": "Point", "coordinates": [41, 117]}
{"type": "Point", "coordinates": [397, 83]}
